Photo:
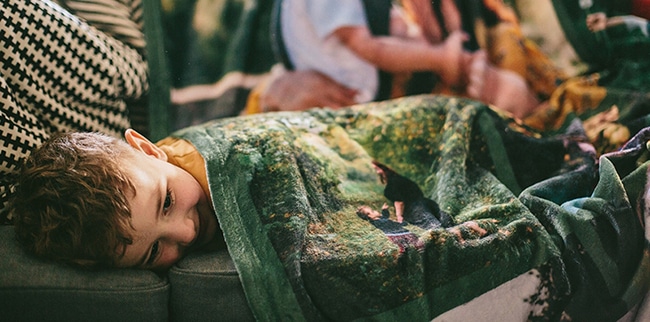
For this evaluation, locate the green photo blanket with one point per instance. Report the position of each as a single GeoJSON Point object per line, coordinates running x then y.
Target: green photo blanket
{"type": "Point", "coordinates": [287, 187]}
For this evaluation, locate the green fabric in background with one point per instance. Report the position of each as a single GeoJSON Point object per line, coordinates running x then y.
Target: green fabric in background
{"type": "Point", "coordinates": [206, 39]}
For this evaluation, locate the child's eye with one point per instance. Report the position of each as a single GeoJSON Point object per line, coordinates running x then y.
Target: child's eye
{"type": "Point", "coordinates": [153, 253]}
{"type": "Point", "coordinates": [169, 201]}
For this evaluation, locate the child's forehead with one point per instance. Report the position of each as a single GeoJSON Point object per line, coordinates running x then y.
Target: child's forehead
{"type": "Point", "coordinates": [143, 174]}
{"type": "Point", "coordinates": [143, 178]}
{"type": "Point", "coordinates": [138, 161]}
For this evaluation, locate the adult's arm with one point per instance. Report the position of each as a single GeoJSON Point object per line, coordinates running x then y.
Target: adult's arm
{"type": "Point", "coordinates": [394, 54]}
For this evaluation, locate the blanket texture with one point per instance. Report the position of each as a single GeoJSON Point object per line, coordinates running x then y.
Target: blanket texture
{"type": "Point", "coordinates": [286, 188]}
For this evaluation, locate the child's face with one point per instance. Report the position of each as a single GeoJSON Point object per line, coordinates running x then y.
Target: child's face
{"type": "Point", "coordinates": [170, 213]}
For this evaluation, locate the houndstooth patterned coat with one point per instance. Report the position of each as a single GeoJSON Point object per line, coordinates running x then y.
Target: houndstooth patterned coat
{"type": "Point", "coordinates": [67, 66]}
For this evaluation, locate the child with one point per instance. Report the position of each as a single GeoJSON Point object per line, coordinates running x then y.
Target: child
{"type": "Point", "coordinates": [94, 200]}
{"type": "Point", "coordinates": [333, 38]}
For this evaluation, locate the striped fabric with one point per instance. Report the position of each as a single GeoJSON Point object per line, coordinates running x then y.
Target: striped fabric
{"type": "Point", "coordinates": [57, 73]}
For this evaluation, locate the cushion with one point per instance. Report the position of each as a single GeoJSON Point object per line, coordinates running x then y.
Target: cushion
{"type": "Point", "coordinates": [32, 289]}
{"type": "Point", "coordinates": [206, 286]}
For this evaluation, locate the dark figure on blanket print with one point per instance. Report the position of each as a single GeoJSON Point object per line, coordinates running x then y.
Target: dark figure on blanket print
{"type": "Point", "coordinates": [410, 203]}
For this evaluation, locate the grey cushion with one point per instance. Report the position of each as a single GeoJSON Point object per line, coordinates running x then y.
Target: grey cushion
{"type": "Point", "coordinates": [35, 290]}
{"type": "Point", "coordinates": [206, 287]}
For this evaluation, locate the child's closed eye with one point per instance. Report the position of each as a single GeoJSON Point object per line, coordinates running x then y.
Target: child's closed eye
{"type": "Point", "coordinates": [154, 253]}
{"type": "Point", "coordinates": [169, 201]}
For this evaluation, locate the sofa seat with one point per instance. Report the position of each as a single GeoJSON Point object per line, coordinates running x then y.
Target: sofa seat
{"type": "Point", "coordinates": [202, 287]}
{"type": "Point", "coordinates": [206, 287]}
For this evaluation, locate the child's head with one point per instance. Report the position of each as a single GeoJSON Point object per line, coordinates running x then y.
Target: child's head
{"type": "Point", "coordinates": [71, 203]}
{"type": "Point", "coordinates": [93, 200]}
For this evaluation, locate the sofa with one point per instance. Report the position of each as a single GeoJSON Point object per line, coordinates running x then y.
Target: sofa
{"type": "Point", "coordinates": [201, 287]}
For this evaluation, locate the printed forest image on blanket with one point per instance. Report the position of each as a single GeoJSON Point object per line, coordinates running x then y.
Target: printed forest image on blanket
{"type": "Point", "coordinates": [407, 209]}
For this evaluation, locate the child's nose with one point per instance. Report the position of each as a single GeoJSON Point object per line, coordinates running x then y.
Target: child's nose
{"type": "Point", "coordinates": [182, 231]}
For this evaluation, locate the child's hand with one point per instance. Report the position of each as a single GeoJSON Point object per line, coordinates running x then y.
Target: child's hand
{"type": "Point", "coordinates": [451, 71]}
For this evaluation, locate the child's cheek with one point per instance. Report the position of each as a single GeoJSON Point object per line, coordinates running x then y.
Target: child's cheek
{"type": "Point", "coordinates": [169, 256]}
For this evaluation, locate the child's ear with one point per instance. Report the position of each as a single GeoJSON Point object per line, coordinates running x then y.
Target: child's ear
{"type": "Point", "coordinates": [142, 144]}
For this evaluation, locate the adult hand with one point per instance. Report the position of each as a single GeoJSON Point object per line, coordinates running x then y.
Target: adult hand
{"type": "Point", "coordinates": [299, 90]}
{"type": "Point", "coordinates": [421, 11]}
{"type": "Point", "coordinates": [451, 72]}
{"type": "Point", "coordinates": [597, 21]}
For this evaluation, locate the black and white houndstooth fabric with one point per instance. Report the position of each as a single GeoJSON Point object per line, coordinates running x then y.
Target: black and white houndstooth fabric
{"type": "Point", "coordinates": [59, 73]}
{"type": "Point", "coordinates": [120, 19]}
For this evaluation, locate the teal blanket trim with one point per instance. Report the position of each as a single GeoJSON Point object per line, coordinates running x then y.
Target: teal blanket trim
{"type": "Point", "coordinates": [158, 97]}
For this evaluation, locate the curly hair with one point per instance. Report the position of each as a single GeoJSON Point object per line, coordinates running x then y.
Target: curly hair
{"type": "Point", "coordinates": [71, 202]}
